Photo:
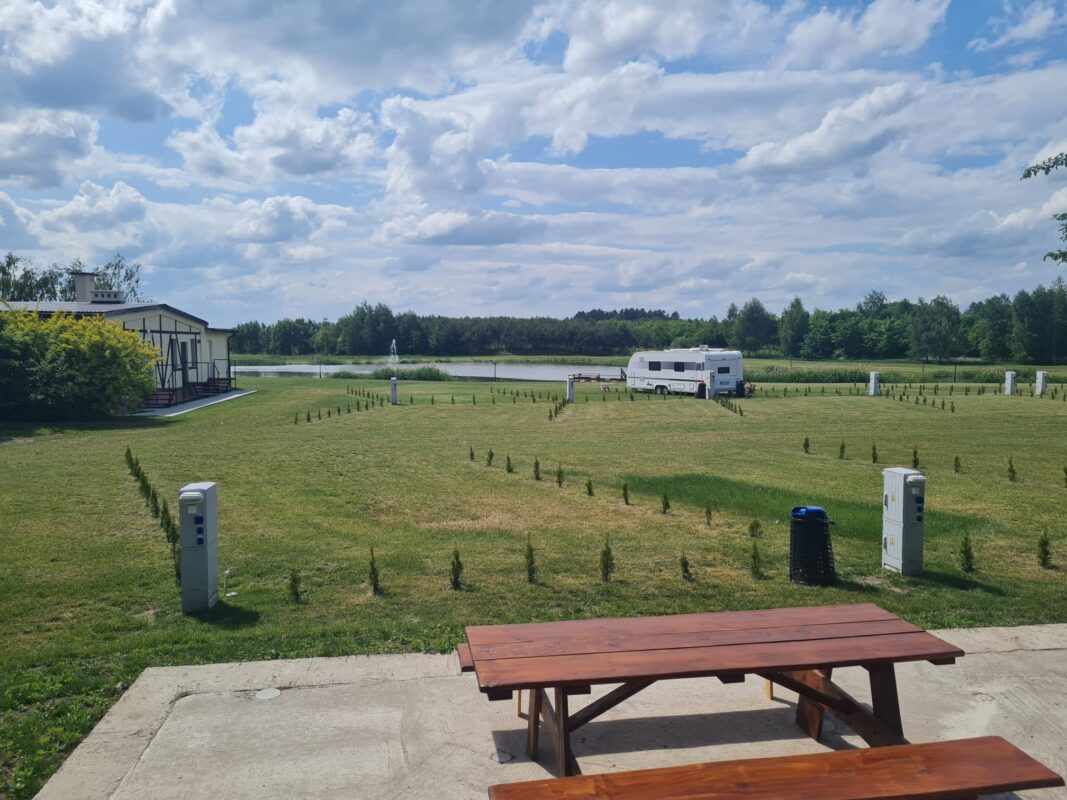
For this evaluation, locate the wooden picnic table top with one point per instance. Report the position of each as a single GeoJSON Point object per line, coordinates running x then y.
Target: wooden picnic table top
{"type": "Point", "coordinates": [599, 651]}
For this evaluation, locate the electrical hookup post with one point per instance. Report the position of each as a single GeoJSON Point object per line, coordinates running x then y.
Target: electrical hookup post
{"type": "Point", "coordinates": [199, 546]}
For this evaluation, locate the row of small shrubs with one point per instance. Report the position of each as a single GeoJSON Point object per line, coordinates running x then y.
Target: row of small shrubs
{"type": "Point", "coordinates": [1012, 472]}
{"type": "Point", "coordinates": [158, 508]}
{"type": "Point", "coordinates": [607, 563]}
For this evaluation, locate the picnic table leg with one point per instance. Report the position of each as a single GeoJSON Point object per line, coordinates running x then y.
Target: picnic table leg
{"type": "Point", "coordinates": [533, 724]}
{"type": "Point", "coordinates": [884, 701]}
{"type": "Point", "coordinates": [809, 713]}
{"type": "Point", "coordinates": [564, 757]}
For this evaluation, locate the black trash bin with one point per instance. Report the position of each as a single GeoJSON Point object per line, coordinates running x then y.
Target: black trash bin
{"type": "Point", "coordinates": [811, 553]}
{"type": "Point", "coordinates": [739, 389]}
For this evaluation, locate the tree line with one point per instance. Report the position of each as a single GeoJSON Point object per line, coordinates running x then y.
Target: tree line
{"type": "Point", "coordinates": [1029, 327]}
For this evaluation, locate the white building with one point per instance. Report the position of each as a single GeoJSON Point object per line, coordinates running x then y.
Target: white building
{"type": "Point", "coordinates": [194, 357]}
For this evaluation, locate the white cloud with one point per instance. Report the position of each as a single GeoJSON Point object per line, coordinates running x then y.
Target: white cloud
{"type": "Point", "coordinates": [854, 131]}
{"type": "Point", "coordinates": [38, 147]}
{"type": "Point", "coordinates": [1033, 22]}
{"type": "Point", "coordinates": [841, 37]}
{"type": "Point", "coordinates": [94, 208]}
{"type": "Point", "coordinates": [276, 219]}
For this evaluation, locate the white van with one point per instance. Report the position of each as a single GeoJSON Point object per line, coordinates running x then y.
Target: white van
{"type": "Point", "coordinates": [702, 371]}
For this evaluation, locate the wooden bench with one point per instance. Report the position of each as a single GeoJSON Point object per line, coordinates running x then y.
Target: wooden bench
{"type": "Point", "coordinates": [955, 770]}
{"type": "Point", "coordinates": [797, 648]}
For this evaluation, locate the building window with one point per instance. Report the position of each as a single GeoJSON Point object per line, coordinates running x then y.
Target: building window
{"type": "Point", "coordinates": [653, 366]}
{"type": "Point", "coordinates": [192, 352]}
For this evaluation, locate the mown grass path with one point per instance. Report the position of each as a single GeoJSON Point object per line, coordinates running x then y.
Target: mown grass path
{"type": "Point", "coordinates": [87, 590]}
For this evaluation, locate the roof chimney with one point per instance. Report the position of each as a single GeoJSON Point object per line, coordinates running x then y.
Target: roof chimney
{"type": "Point", "coordinates": [84, 283]}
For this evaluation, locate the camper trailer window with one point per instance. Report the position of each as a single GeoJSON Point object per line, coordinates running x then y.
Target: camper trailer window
{"type": "Point", "coordinates": [723, 370]}
{"type": "Point", "coordinates": [679, 366]}
{"type": "Point", "coordinates": [653, 366]}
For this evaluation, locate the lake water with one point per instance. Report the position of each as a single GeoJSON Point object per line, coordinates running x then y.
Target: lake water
{"type": "Point", "coordinates": [459, 369]}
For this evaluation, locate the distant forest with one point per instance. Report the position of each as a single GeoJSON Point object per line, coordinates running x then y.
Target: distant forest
{"type": "Point", "coordinates": [1029, 327]}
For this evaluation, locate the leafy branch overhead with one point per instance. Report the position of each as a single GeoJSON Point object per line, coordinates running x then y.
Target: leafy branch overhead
{"type": "Point", "coordinates": [1045, 167]}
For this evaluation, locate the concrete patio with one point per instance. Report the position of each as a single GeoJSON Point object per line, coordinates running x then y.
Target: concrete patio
{"type": "Point", "coordinates": [411, 726]}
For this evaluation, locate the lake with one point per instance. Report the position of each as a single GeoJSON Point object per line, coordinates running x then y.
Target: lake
{"type": "Point", "coordinates": [458, 369]}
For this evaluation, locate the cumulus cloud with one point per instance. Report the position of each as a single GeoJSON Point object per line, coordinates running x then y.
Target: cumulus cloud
{"type": "Point", "coordinates": [840, 37]}
{"type": "Point", "coordinates": [276, 219]}
{"type": "Point", "coordinates": [37, 147]}
{"type": "Point", "coordinates": [96, 208]}
{"type": "Point", "coordinates": [854, 131]}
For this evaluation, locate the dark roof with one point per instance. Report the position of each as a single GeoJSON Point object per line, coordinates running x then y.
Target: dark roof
{"type": "Point", "coordinates": [96, 309]}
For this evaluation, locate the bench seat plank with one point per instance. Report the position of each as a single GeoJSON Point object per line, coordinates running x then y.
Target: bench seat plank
{"type": "Point", "coordinates": [601, 668]}
{"type": "Point", "coordinates": [676, 623]}
{"type": "Point", "coordinates": [466, 661]}
{"type": "Point", "coordinates": [618, 643]}
{"type": "Point", "coordinates": [950, 770]}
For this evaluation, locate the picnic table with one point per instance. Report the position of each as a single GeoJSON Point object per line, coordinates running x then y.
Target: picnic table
{"type": "Point", "coordinates": [797, 648]}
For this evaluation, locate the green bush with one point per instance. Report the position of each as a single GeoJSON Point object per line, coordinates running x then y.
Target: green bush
{"type": "Point", "coordinates": [60, 367]}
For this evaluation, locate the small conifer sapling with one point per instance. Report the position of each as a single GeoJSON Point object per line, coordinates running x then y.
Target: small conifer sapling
{"type": "Point", "coordinates": [375, 585]}
{"type": "Point", "coordinates": [589, 487]}
{"type": "Point", "coordinates": [626, 493]}
{"type": "Point", "coordinates": [455, 572]}
{"type": "Point", "coordinates": [666, 503]}
{"type": "Point", "coordinates": [966, 554]}
{"type": "Point", "coordinates": [1044, 551]}
{"type": "Point", "coordinates": [531, 563]}
{"type": "Point", "coordinates": [607, 561]}
{"type": "Point", "coordinates": [683, 562]}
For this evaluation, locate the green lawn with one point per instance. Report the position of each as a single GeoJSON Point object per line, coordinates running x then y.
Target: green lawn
{"type": "Point", "coordinates": [87, 594]}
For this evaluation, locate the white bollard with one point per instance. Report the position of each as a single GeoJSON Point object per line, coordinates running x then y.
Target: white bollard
{"type": "Point", "coordinates": [1009, 382]}
{"type": "Point", "coordinates": [392, 390]}
{"type": "Point", "coordinates": [873, 386]}
{"type": "Point", "coordinates": [1042, 384]}
{"type": "Point", "coordinates": [570, 388]}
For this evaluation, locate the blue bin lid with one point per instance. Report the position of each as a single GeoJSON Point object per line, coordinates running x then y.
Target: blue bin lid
{"type": "Point", "coordinates": [815, 512]}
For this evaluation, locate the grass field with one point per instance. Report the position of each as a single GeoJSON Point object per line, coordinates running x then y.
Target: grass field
{"type": "Point", "coordinates": [87, 593]}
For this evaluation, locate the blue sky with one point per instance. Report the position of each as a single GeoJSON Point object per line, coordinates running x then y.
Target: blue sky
{"type": "Point", "coordinates": [293, 159]}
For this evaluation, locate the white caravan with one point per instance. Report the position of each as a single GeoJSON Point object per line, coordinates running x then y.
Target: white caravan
{"type": "Point", "coordinates": [702, 371]}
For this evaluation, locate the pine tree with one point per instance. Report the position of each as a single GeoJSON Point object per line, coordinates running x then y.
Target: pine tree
{"type": "Point", "coordinates": [472, 454]}
{"type": "Point", "coordinates": [956, 465]}
{"type": "Point", "coordinates": [666, 503]}
{"type": "Point", "coordinates": [755, 562]}
{"type": "Point", "coordinates": [914, 457]}
{"type": "Point", "coordinates": [589, 487]}
{"type": "Point", "coordinates": [683, 562]}
{"type": "Point", "coordinates": [559, 476]}
{"type": "Point", "coordinates": [874, 454]}
{"type": "Point", "coordinates": [626, 493]}
{"type": "Point", "coordinates": [537, 469]}
{"type": "Point", "coordinates": [507, 465]}
{"type": "Point", "coordinates": [707, 516]}
{"type": "Point", "coordinates": [841, 451]}
{"type": "Point", "coordinates": [807, 445]}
